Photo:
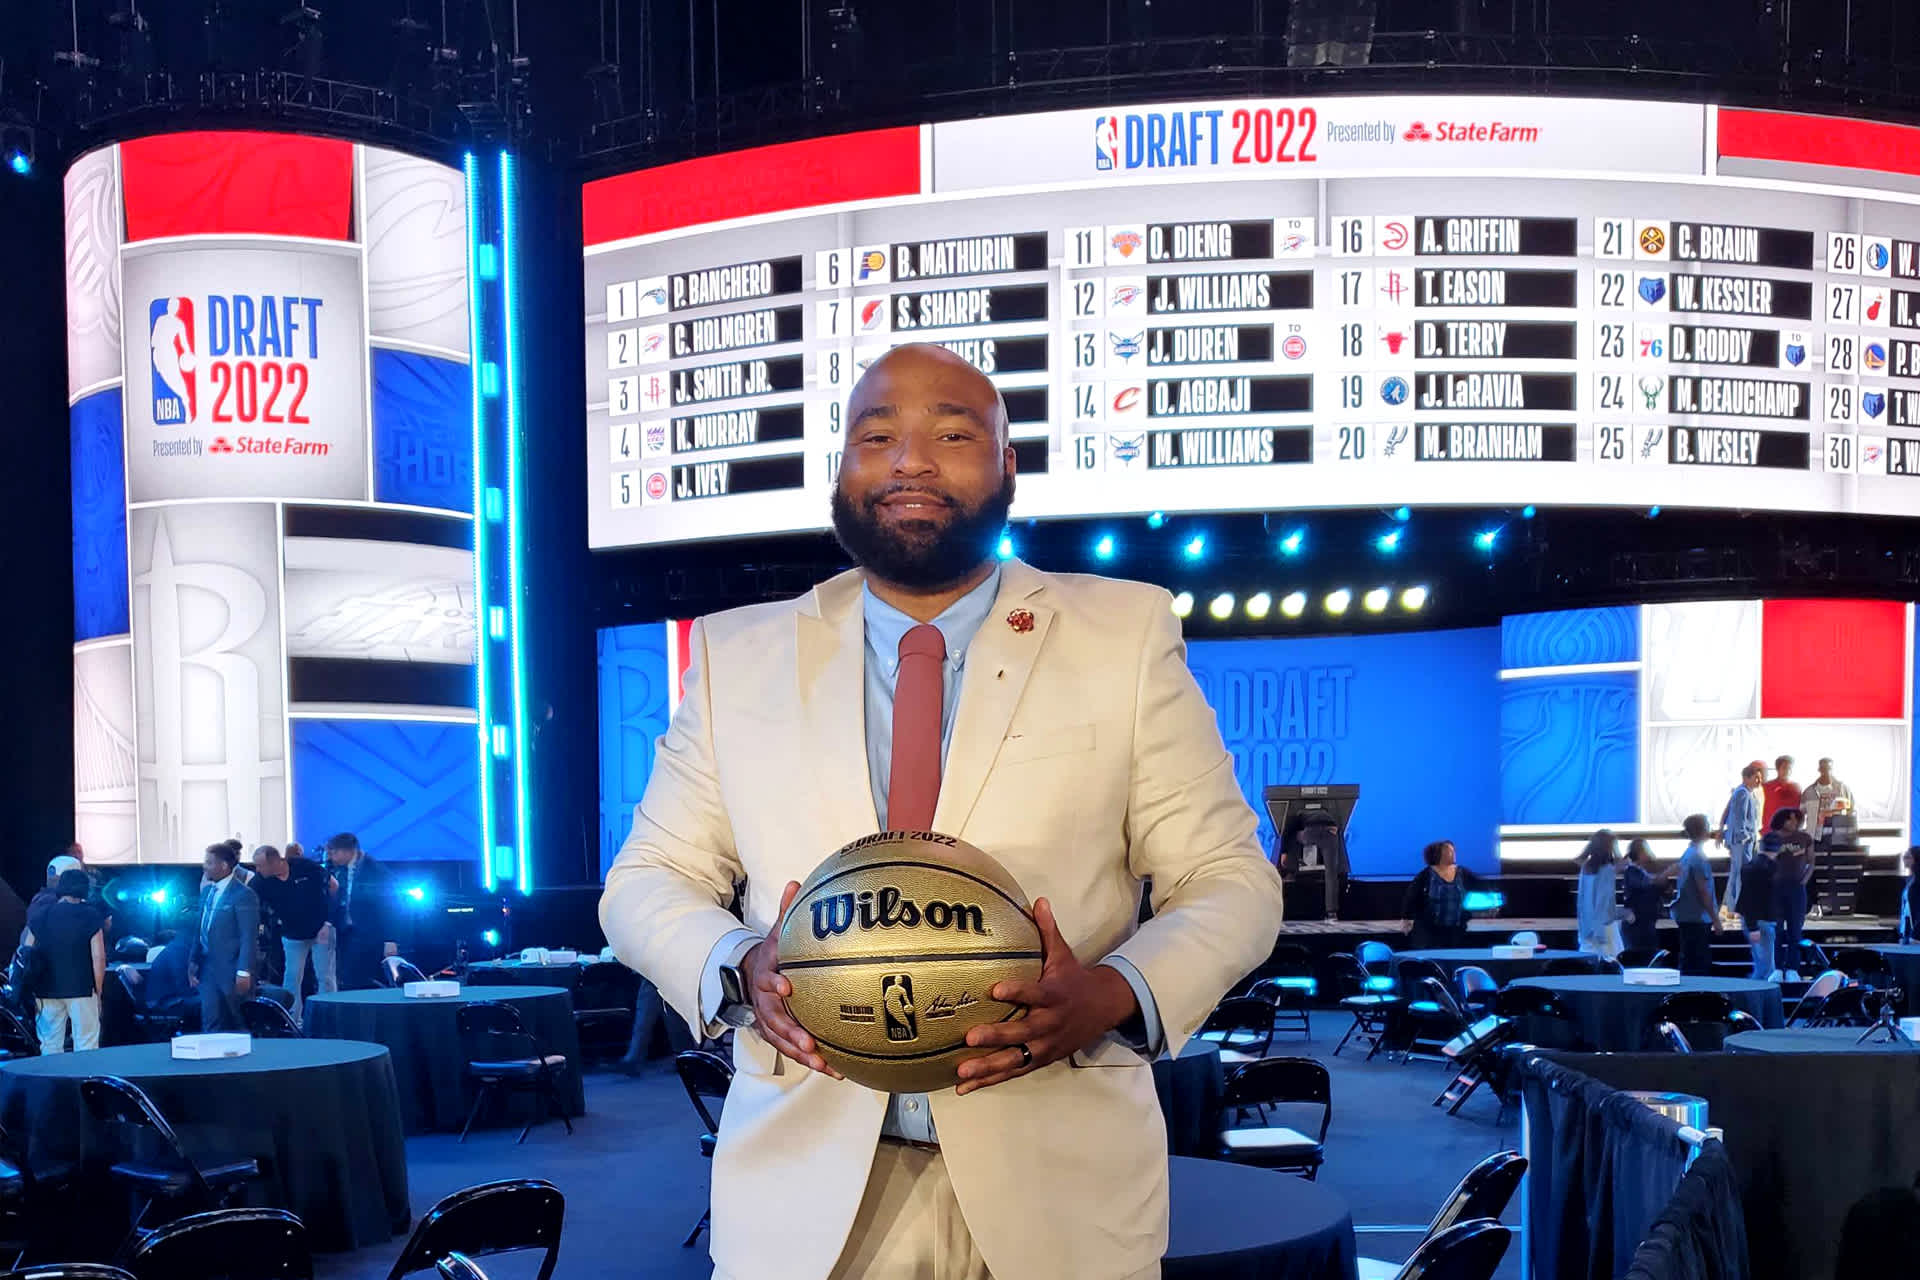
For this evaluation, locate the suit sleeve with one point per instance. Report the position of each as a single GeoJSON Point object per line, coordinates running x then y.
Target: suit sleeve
{"type": "Point", "coordinates": [664, 908]}
{"type": "Point", "coordinates": [246, 917]}
{"type": "Point", "coordinates": [1216, 898]}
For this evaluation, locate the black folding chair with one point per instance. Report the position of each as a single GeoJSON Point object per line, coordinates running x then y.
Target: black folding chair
{"type": "Point", "coordinates": [1476, 989]}
{"type": "Point", "coordinates": [1669, 1037]}
{"type": "Point", "coordinates": [1704, 1018]}
{"type": "Point", "coordinates": [603, 1004]}
{"type": "Point", "coordinates": [16, 1041]}
{"type": "Point", "coordinates": [1473, 1054]}
{"type": "Point", "coordinates": [1846, 1007]}
{"type": "Point", "coordinates": [1482, 1195]}
{"type": "Point", "coordinates": [495, 1217]}
{"type": "Point", "coordinates": [1428, 1021]}
{"type": "Point", "coordinates": [171, 1176]}
{"type": "Point", "coordinates": [1243, 1028]}
{"type": "Point", "coordinates": [31, 1201]}
{"type": "Point", "coordinates": [1369, 1004]}
{"type": "Point", "coordinates": [397, 971]}
{"type": "Point", "coordinates": [1289, 986]}
{"type": "Point", "coordinates": [1465, 1251]}
{"type": "Point", "coordinates": [1273, 1082]}
{"type": "Point", "coordinates": [227, 1244]}
{"type": "Point", "coordinates": [706, 1077]}
{"type": "Point", "coordinates": [502, 1056]}
{"type": "Point", "coordinates": [1865, 966]}
{"type": "Point", "coordinates": [458, 1266]}
{"type": "Point", "coordinates": [269, 1020]}
{"type": "Point", "coordinates": [1813, 1000]}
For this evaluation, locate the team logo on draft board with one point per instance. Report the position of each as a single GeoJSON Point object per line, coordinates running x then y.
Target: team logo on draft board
{"type": "Point", "coordinates": [1294, 347]}
{"type": "Point", "coordinates": [871, 264]}
{"type": "Point", "coordinates": [653, 391]}
{"type": "Point", "coordinates": [1394, 236]}
{"type": "Point", "coordinates": [1652, 388]}
{"type": "Point", "coordinates": [1127, 243]}
{"type": "Point", "coordinates": [1873, 358]}
{"type": "Point", "coordinates": [1873, 403]}
{"type": "Point", "coordinates": [1128, 450]}
{"type": "Point", "coordinates": [1125, 295]}
{"type": "Point", "coordinates": [1394, 390]}
{"type": "Point", "coordinates": [1396, 439]}
{"type": "Point", "coordinates": [1395, 339]}
{"type": "Point", "coordinates": [1652, 240]}
{"type": "Point", "coordinates": [1395, 288]}
{"type": "Point", "coordinates": [1652, 289]}
{"type": "Point", "coordinates": [873, 316]}
{"type": "Point", "coordinates": [1652, 444]}
{"type": "Point", "coordinates": [1796, 349]}
{"type": "Point", "coordinates": [1292, 244]}
{"type": "Point", "coordinates": [656, 485]}
{"type": "Point", "coordinates": [1876, 302]}
{"type": "Point", "coordinates": [1416, 132]}
{"type": "Point", "coordinates": [1125, 347]}
{"type": "Point", "coordinates": [1871, 453]}
{"type": "Point", "coordinates": [1129, 400]}
{"type": "Point", "coordinates": [1106, 143]}
{"type": "Point", "coordinates": [1877, 257]}
{"type": "Point", "coordinates": [174, 361]}
{"type": "Point", "coordinates": [656, 439]}
{"type": "Point", "coordinates": [652, 343]}
{"type": "Point", "coordinates": [653, 296]}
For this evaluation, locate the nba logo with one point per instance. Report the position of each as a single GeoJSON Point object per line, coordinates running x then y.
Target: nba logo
{"type": "Point", "coordinates": [173, 360]}
{"type": "Point", "coordinates": [896, 1002]}
{"type": "Point", "coordinates": [1106, 143]}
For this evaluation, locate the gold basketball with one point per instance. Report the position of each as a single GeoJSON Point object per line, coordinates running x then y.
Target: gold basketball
{"type": "Point", "coordinates": [892, 945]}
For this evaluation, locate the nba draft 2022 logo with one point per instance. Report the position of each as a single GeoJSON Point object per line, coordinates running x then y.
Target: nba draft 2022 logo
{"type": "Point", "coordinates": [1106, 143]}
{"type": "Point", "coordinates": [174, 361]}
{"type": "Point", "coordinates": [234, 360]}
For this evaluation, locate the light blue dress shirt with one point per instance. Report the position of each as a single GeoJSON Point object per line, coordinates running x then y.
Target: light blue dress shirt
{"type": "Point", "coordinates": [908, 1115]}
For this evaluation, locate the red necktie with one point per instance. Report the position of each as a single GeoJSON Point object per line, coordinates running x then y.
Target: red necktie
{"type": "Point", "coordinates": [913, 778]}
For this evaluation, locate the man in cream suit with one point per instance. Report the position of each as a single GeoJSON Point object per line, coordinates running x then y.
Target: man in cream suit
{"type": "Point", "coordinates": [1073, 746]}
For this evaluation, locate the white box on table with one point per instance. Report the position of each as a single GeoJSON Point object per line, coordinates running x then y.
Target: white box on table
{"type": "Point", "coordinates": [432, 989]}
{"type": "Point", "coordinates": [1508, 951]}
{"type": "Point", "coordinates": [1651, 977]}
{"type": "Point", "coordinates": [213, 1044]}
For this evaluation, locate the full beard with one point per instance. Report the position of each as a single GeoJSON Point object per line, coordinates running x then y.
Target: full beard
{"type": "Point", "coordinates": [921, 555]}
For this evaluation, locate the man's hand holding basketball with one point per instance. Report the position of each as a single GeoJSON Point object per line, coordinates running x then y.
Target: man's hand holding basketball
{"type": "Point", "coordinates": [1068, 1008]}
{"type": "Point", "coordinates": [760, 967]}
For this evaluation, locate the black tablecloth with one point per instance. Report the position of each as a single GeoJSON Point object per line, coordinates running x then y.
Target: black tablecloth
{"type": "Point", "coordinates": [321, 1116]}
{"type": "Point", "coordinates": [1500, 970]}
{"type": "Point", "coordinates": [1613, 1015]}
{"type": "Point", "coordinates": [511, 973]}
{"type": "Point", "coordinates": [429, 1063]}
{"type": "Point", "coordinates": [1233, 1222]}
{"type": "Point", "coordinates": [1815, 1040]}
{"type": "Point", "coordinates": [1189, 1087]}
{"type": "Point", "coordinates": [1904, 960]}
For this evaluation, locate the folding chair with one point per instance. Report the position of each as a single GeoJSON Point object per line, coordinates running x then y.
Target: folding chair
{"type": "Point", "coordinates": [1277, 1082]}
{"type": "Point", "coordinates": [501, 1055]}
{"type": "Point", "coordinates": [1243, 1028]}
{"type": "Point", "coordinates": [1465, 1251]}
{"type": "Point", "coordinates": [1370, 1009]}
{"type": "Point", "coordinates": [171, 1176]}
{"type": "Point", "coordinates": [495, 1217]}
{"type": "Point", "coordinates": [269, 1020]}
{"type": "Point", "coordinates": [706, 1077]}
{"type": "Point", "coordinates": [226, 1244]}
{"type": "Point", "coordinates": [398, 971]}
{"type": "Point", "coordinates": [1482, 1194]}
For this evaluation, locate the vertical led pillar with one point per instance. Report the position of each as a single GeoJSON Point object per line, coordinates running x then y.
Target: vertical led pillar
{"type": "Point", "coordinates": [498, 502]}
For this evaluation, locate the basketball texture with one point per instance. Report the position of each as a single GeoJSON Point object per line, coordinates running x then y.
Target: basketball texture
{"type": "Point", "coordinates": [892, 945]}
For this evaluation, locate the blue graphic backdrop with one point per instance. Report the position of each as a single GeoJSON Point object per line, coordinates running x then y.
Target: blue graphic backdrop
{"type": "Point", "coordinates": [99, 517]}
{"type": "Point", "coordinates": [1570, 748]}
{"type": "Point", "coordinates": [1570, 637]}
{"type": "Point", "coordinates": [408, 789]}
{"type": "Point", "coordinates": [633, 712]}
{"type": "Point", "coordinates": [1410, 717]}
{"type": "Point", "coordinates": [422, 430]}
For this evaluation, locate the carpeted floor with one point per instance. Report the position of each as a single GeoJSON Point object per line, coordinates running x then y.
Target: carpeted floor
{"type": "Point", "coordinates": [635, 1181]}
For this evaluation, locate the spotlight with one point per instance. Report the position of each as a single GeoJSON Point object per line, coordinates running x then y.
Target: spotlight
{"type": "Point", "coordinates": [16, 145]}
{"type": "Point", "coordinates": [1293, 542]}
{"type": "Point", "coordinates": [1157, 519]}
{"type": "Point", "coordinates": [1005, 549]}
{"type": "Point", "coordinates": [1376, 599]}
{"type": "Point", "coordinates": [1103, 549]}
{"type": "Point", "coordinates": [1183, 604]}
{"type": "Point", "coordinates": [1221, 607]}
{"type": "Point", "coordinates": [1486, 539]}
{"type": "Point", "coordinates": [491, 937]}
{"type": "Point", "coordinates": [19, 161]}
{"type": "Point", "coordinates": [1387, 543]}
{"type": "Point", "coordinates": [1337, 601]}
{"type": "Point", "coordinates": [1196, 546]}
{"type": "Point", "coordinates": [158, 897]}
{"type": "Point", "coordinates": [1403, 514]}
{"type": "Point", "coordinates": [1413, 599]}
{"type": "Point", "coordinates": [1653, 513]}
{"type": "Point", "coordinates": [1259, 604]}
{"type": "Point", "coordinates": [1526, 512]}
{"type": "Point", "coordinates": [416, 893]}
{"type": "Point", "coordinates": [1294, 604]}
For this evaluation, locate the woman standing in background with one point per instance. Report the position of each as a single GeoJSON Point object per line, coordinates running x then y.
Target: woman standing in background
{"type": "Point", "coordinates": [1642, 897]}
{"type": "Point", "coordinates": [1435, 911]}
{"type": "Point", "coordinates": [1599, 915]}
{"type": "Point", "coordinates": [1795, 867]}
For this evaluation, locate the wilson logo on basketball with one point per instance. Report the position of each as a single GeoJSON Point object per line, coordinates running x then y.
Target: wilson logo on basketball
{"type": "Point", "coordinates": [888, 908]}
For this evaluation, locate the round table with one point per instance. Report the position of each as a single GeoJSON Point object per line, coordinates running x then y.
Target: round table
{"type": "Point", "coordinates": [1498, 968]}
{"type": "Point", "coordinates": [1612, 1014]}
{"type": "Point", "coordinates": [512, 973]}
{"type": "Point", "coordinates": [1190, 1087]}
{"type": "Point", "coordinates": [1814, 1040]}
{"type": "Point", "coordinates": [429, 1061]}
{"type": "Point", "coordinates": [1904, 960]}
{"type": "Point", "coordinates": [321, 1116]}
{"type": "Point", "coordinates": [1234, 1222]}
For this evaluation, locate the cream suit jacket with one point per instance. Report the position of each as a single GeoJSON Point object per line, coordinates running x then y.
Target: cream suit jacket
{"type": "Point", "coordinates": [1085, 759]}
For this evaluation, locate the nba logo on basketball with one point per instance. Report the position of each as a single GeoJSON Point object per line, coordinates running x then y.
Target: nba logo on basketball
{"type": "Point", "coordinates": [1106, 143]}
{"type": "Point", "coordinates": [896, 1002]}
{"type": "Point", "coordinates": [173, 360]}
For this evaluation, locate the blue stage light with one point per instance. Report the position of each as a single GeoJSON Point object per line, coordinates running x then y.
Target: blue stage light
{"type": "Point", "coordinates": [516, 503]}
{"type": "Point", "coordinates": [158, 897]}
{"type": "Point", "coordinates": [1196, 547]}
{"type": "Point", "coordinates": [1652, 512]}
{"type": "Point", "coordinates": [1526, 512]}
{"type": "Point", "coordinates": [19, 161]}
{"type": "Point", "coordinates": [1403, 514]}
{"type": "Point", "coordinates": [416, 893]}
{"type": "Point", "coordinates": [1293, 542]}
{"type": "Point", "coordinates": [1486, 539]}
{"type": "Point", "coordinates": [1157, 519]}
{"type": "Point", "coordinates": [1387, 543]}
{"type": "Point", "coordinates": [1103, 549]}
{"type": "Point", "coordinates": [1005, 549]}
{"type": "Point", "coordinates": [491, 937]}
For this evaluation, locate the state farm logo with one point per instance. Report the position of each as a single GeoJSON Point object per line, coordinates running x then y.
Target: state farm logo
{"type": "Point", "coordinates": [220, 445]}
{"type": "Point", "coordinates": [1471, 131]}
{"type": "Point", "coordinates": [1417, 132]}
{"type": "Point", "coordinates": [270, 447]}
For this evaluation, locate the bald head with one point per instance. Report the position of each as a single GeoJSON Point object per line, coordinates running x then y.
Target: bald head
{"type": "Point", "coordinates": [917, 370]}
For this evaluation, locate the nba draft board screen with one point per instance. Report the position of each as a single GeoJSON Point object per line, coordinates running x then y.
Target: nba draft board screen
{"type": "Point", "coordinates": [1312, 302]}
{"type": "Point", "coordinates": [272, 497]}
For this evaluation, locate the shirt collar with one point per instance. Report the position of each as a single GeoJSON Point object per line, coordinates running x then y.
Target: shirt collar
{"type": "Point", "coordinates": [958, 623]}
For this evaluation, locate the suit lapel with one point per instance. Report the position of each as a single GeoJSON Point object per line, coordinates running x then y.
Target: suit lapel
{"type": "Point", "coordinates": [998, 664]}
{"type": "Point", "coordinates": [831, 670]}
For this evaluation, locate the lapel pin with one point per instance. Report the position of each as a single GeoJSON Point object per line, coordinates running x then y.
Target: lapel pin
{"type": "Point", "coordinates": [1021, 620]}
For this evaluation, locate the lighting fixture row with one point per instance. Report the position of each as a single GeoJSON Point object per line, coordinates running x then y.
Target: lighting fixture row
{"type": "Point", "coordinates": [1336, 603]}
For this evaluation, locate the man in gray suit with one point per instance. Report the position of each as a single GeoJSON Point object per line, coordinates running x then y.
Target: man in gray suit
{"type": "Point", "coordinates": [223, 955]}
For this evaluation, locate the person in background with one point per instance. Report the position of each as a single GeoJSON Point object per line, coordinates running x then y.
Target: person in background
{"type": "Point", "coordinates": [1756, 908]}
{"type": "Point", "coordinates": [295, 851]}
{"type": "Point", "coordinates": [1910, 896]}
{"type": "Point", "coordinates": [1435, 912]}
{"type": "Point", "coordinates": [224, 958]}
{"type": "Point", "coordinates": [57, 867]}
{"type": "Point", "coordinates": [1599, 916]}
{"type": "Point", "coordinates": [1825, 796]}
{"type": "Point", "coordinates": [1782, 792]}
{"type": "Point", "coordinates": [72, 947]}
{"type": "Point", "coordinates": [169, 986]}
{"type": "Point", "coordinates": [362, 913]}
{"type": "Point", "coordinates": [1740, 830]}
{"type": "Point", "coordinates": [1641, 895]}
{"type": "Point", "coordinates": [294, 892]}
{"type": "Point", "coordinates": [1794, 849]}
{"type": "Point", "coordinates": [1693, 910]}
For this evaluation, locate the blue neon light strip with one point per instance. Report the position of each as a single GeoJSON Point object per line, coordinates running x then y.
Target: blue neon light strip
{"type": "Point", "coordinates": [522, 825]}
{"type": "Point", "coordinates": [482, 737]}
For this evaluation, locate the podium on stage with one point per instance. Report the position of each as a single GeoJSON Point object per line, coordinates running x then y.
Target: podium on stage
{"type": "Point", "coordinates": [1310, 843]}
